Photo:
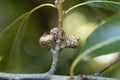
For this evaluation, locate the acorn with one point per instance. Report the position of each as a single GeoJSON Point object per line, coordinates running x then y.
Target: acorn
{"type": "Point", "coordinates": [54, 33]}
{"type": "Point", "coordinates": [46, 40]}
{"type": "Point", "coordinates": [72, 42]}
{"type": "Point", "coordinates": [57, 33]}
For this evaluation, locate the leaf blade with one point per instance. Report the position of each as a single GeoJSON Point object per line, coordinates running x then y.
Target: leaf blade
{"type": "Point", "coordinates": [91, 3]}
{"type": "Point", "coordinates": [11, 37]}
{"type": "Point", "coordinates": [104, 40]}
{"type": "Point", "coordinates": [110, 5]}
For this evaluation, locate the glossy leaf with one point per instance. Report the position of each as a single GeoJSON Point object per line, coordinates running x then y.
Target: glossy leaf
{"type": "Point", "coordinates": [104, 40]}
{"type": "Point", "coordinates": [111, 5]}
{"type": "Point", "coordinates": [11, 38]}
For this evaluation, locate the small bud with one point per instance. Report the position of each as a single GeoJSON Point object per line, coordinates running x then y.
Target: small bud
{"type": "Point", "coordinates": [72, 42]}
{"type": "Point", "coordinates": [58, 3]}
{"type": "Point", "coordinates": [54, 32]}
{"type": "Point", "coordinates": [57, 33]}
{"type": "Point", "coordinates": [46, 41]}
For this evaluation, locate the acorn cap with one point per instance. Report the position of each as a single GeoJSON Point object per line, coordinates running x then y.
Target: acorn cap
{"type": "Point", "coordinates": [54, 32]}
{"type": "Point", "coordinates": [57, 33]}
{"type": "Point", "coordinates": [46, 41]}
{"type": "Point", "coordinates": [72, 42]}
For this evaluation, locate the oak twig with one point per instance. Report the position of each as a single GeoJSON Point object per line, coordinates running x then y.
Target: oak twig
{"type": "Point", "coordinates": [11, 76]}
{"type": "Point", "coordinates": [58, 39]}
{"type": "Point", "coordinates": [55, 54]}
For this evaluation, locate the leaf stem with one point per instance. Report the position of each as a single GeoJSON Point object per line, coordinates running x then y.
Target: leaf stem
{"type": "Point", "coordinates": [59, 4]}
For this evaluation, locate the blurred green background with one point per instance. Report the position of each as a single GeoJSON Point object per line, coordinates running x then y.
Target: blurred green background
{"type": "Point", "coordinates": [32, 58]}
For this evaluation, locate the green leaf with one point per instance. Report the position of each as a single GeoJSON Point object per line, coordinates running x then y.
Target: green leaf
{"type": "Point", "coordinates": [104, 40]}
{"type": "Point", "coordinates": [11, 38]}
{"type": "Point", "coordinates": [8, 40]}
{"type": "Point", "coordinates": [111, 5]}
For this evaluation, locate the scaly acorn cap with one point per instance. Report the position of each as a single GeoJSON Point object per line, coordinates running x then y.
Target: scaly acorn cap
{"type": "Point", "coordinates": [57, 33]}
{"type": "Point", "coordinates": [46, 40]}
{"type": "Point", "coordinates": [72, 42]}
{"type": "Point", "coordinates": [54, 32]}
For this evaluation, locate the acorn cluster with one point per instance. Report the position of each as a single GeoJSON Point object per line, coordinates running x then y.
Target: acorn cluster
{"type": "Point", "coordinates": [55, 35]}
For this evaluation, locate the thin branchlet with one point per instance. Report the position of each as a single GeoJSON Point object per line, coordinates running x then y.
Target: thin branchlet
{"type": "Point", "coordinates": [57, 35]}
{"type": "Point", "coordinates": [107, 67]}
